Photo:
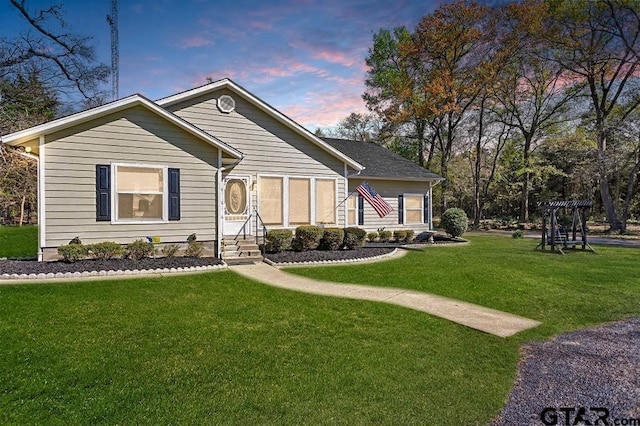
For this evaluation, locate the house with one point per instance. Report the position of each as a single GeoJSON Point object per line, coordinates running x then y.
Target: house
{"type": "Point", "coordinates": [216, 161]}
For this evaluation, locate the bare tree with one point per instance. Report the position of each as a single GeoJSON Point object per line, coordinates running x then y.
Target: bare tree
{"type": "Point", "coordinates": [65, 60]}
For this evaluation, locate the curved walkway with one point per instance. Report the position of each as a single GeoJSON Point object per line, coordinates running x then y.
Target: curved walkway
{"type": "Point", "coordinates": [478, 317]}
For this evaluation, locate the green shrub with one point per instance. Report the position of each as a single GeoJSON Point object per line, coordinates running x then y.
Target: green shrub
{"type": "Point", "coordinates": [278, 240]}
{"type": "Point", "coordinates": [139, 249]}
{"type": "Point", "coordinates": [170, 250]}
{"type": "Point", "coordinates": [408, 237]}
{"type": "Point", "coordinates": [371, 236]}
{"type": "Point", "coordinates": [332, 239]}
{"type": "Point", "coordinates": [194, 249]}
{"type": "Point", "coordinates": [106, 250]}
{"type": "Point", "coordinates": [517, 233]}
{"type": "Point", "coordinates": [454, 222]}
{"type": "Point", "coordinates": [399, 235]}
{"type": "Point", "coordinates": [384, 236]}
{"type": "Point", "coordinates": [72, 252]}
{"type": "Point", "coordinates": [307, 238]}
{"type": "Point", "coordinates": [354, 237]}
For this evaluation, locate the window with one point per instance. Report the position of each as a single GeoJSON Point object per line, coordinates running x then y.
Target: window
{"type": "Point", "coordinates": [352, 209]}
{"type": "Point", "coordinates": [413, 208]}
{"type": "Point", "coordinates": [132, 193]}
{"type": "Point", "coordinates": [271, 200]}
{"type": "Point", "coordinates": [139, 193]}
{"type": "Point", "coordinates": [299, 201]}
{"type": "Point", "coordinates": [325, 201]}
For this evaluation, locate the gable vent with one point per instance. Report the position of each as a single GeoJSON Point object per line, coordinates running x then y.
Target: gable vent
{"type": "Point", "coordinates": [226, 103]}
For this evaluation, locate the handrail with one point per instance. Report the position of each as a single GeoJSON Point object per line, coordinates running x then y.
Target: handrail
{"type": "Point", "coordinates": [244, 228]}
{"type": "Point", "coordinates": [264, 232]}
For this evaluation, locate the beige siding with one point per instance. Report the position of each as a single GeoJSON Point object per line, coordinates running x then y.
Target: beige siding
{"type": "Point", "coordinates": [389, 190]}
{"type": "Point", "coordinates": [133, 136]}
{"type": "Point", "coordinates": [269, 147]}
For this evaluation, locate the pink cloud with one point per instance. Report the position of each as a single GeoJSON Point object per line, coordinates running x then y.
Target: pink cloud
{"type": "Point", "coordinates": [340, 58]}
{"type": "Point", "coordinates": [261, 25]}
{"type": "Point", "coordinates": [195, 41]}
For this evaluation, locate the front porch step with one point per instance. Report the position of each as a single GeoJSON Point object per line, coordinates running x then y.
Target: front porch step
{"type": "Point", "coordinates": [240, 250]}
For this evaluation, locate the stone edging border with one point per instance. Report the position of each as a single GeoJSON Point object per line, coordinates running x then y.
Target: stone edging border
{"type": "Point", "coordinates": [110, 273]}
{"type": "Point", "coordinates": [330, 262]}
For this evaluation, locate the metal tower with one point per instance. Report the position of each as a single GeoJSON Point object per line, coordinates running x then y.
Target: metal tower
{"type": "Point", "coordinates": [112, 20]}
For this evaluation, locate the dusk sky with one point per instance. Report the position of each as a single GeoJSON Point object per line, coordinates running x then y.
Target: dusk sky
{"type": "Point", "coordinates": [304, 57]}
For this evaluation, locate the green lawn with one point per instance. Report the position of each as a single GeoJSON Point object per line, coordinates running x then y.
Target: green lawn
{"type": "Point", "coordinates": [18, 241]}
{"type": "Point", "coordinates": [217, 348]}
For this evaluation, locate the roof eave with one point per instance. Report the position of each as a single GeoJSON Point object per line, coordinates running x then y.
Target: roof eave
{"type": "Point", "coordinates": [84, 116]}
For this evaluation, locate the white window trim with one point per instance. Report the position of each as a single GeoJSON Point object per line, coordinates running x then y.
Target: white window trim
{"type": "Point", "coordinates": [115, 220]}
{"type": "Point", "coordinates": [335, 201]}
{"type": "Point", "coordinates": [355, 209]}
{"type": "Point", "coordinates": [285, 198]}
{"type": "Point", "coordinates": [404, 208]}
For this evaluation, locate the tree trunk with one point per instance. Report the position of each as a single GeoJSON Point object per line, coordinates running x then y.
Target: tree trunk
{"type": "Point", "coordinates": [477, 208]}
{"type": "Point", "coordinates": [526, 177]}
{"type": "Point", "coordinates": [22, 203]}
{"type": "Point", "coordinates": [605, 190]}
{"type": "Point", "coordinates": [627, 199]}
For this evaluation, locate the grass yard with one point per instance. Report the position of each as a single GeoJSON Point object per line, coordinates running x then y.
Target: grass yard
{"type": "Point", "coordinates": [217, 348]}
{"type": "Point", "coordinates": [18, 241]}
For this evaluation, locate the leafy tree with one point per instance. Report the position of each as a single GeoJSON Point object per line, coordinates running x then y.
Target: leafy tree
{"type": "Point", "coordinates": [607, 63]}
{"type": "Point", "coordinates": [531, 94]}
{"type": "Point", "coordinates": [357, 127]}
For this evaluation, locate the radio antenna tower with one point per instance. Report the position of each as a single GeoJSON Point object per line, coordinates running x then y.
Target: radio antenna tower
{"type": "Point", "coordinates": [112, 20]}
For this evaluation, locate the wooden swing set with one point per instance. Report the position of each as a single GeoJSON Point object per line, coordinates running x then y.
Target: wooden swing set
{"type": "Point", "coordinates": [557, 237]}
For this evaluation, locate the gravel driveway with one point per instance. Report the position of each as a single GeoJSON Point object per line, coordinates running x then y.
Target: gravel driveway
{"type": "Point", "coordinates": [579, 377]}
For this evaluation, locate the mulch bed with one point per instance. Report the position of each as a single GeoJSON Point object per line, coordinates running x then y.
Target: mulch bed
{"type": "Point", "coordinates": [35, 267]}
{"type": "Point", "coordinates": [289, 256]}
{"type": "Point", "coordinates": [596, 367]}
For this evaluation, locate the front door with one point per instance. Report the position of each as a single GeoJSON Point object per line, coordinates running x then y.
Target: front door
{"type": "Point", "coordinates": [236, 204]}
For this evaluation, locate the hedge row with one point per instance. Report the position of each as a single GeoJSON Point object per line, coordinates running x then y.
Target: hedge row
{"type": "Point", "coordinates": [138, 249]}
{"type": "Point", "coordinates": [311, 237]}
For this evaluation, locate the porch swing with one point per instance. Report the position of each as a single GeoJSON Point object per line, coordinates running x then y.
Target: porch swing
{"type": "Point", "coordinates": [559, 237]}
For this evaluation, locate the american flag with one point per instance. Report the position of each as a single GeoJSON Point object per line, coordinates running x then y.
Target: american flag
{"type": "Point", "coordinates": [379, 205]}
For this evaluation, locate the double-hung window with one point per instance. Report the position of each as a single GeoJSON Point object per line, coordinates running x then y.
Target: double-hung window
{"type": "Point", "coordinates": [129, 193]}
{"type": "Point", "coordinates": [140, 193]}
{"type": "Point", "coordinates": [413, 208]}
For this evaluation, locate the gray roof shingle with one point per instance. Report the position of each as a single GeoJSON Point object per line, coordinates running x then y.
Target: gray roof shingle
{"type": "Point", "coordinates": [381, 162]}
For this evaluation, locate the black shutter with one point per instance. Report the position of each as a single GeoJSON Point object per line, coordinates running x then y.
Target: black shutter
{"type": "Point", "coordinates": [400, 209]}
{"type": "Point", "coordinates": [425, 209]}
{"type": "Point", "coordinates": [103, 192]}
{"type": "Point", "coordinates": [174, 194]}
{"type": "Point", "coordinates": [360, 210]}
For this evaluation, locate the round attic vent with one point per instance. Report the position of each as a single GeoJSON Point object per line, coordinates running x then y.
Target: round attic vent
{"type": "Point", "coordinates": [226, 103]}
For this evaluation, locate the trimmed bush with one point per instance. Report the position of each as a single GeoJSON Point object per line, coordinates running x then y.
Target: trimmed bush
{"type": "Point", "coordinates": [170, 250]}
{"type": "Point", "coordinates": [139, 249]}
{"type": "Point", "coordinates": [454, 222]}
{"type": "Point", "coordinates": [384, 236]}
{"type": "Point", "coordinates": [408, 237]}
{"type": "Point", "coordinates": [278, 240]}
{"type": "Point", "coordinates": [307, 238]}
{"type": "Point", "coordinates": [354, 237]}
{"type": "Point", "coordinates": [106, 250]}
{"type": "Point", "coordinates": [517, 234]}
{"type": "Point", "coordinates": [371, 236]}
{"type": "Point", "coordinates": [72, 252]}
{"type": "Point", "coordinates": [194, 249]}
{"type": "Point", "coordinates": [399, 235]}
{"type": "Point", "coordinates": [332, 239]}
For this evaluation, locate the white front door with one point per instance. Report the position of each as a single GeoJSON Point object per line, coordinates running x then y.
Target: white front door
{"type": "Point", "coordinates": [236, 205]}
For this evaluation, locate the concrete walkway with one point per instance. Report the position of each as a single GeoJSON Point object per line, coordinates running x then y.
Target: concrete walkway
{"type": "Point", "coordinates": [480, 318]}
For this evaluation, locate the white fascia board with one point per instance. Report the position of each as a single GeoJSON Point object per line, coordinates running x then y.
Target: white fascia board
{"type": "Point", "coordinates": [229, 84]}
{"type": "Point", "coordinates": [134, 100]}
